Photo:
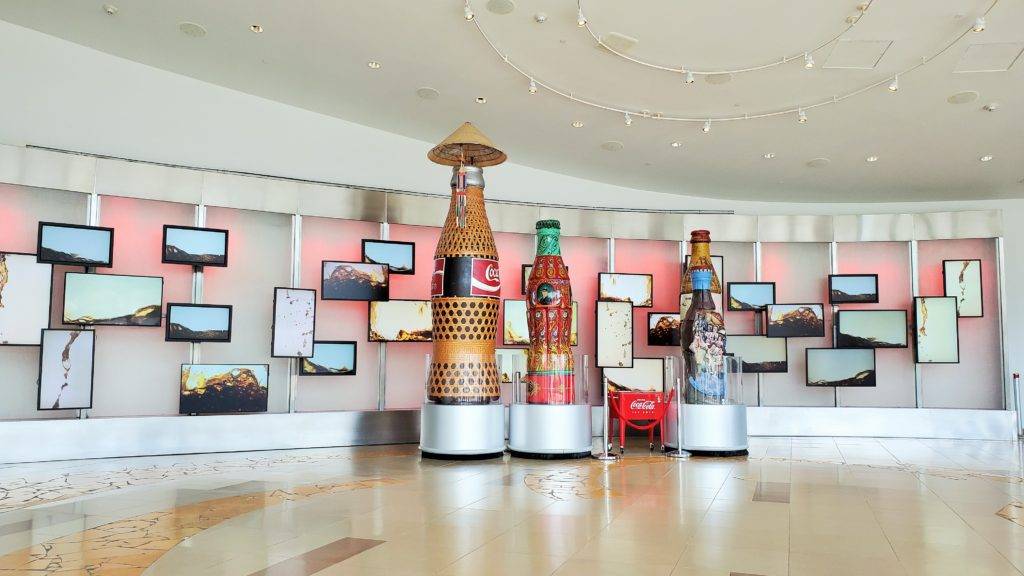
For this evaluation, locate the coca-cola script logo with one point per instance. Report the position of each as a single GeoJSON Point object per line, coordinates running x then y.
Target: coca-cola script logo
{"type": "Point", "coordinates": [639, 405]}
{"type": "Point", "coordinates": [437, 279]}
{"type": "Point", "coordinates": [486, 281]}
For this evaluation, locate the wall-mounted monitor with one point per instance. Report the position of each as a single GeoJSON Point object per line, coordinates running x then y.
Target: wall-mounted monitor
{"type": "Point", "coordinates": [223, 388]}
{"type": "Point", "coordinates": [401, 321]}
{"type": "Point", "coordinates": [195, 246]}
{"type": "Point", "coordinates": [936, 332]}
{"type": "Point", "coordinates": [871, 329]}
{"type": "Point", "coordinates": [75, 245]}
{"type": "Point", "coordinates": [962, 280]}
{"type": "Point", "coordinates": [354, 281]}
{"type": "Point", "coordinates": [796, 321]}
{"type": "Point", "coordinates": [67, 361]}
{"type": "Point", "coordinates": [614, 330]}
{"type": "Point", "coordinates": [759, 354]}
{"type": "Point", "coordinates": [663, 328]}
{"type": "Point", "coordinates": [399, 257]}
{"type": "Point", "coordinates": [330, 358]}
{"type": "Point", "coordinates": [198, 322]}
{"type": "Point", "coordinates": [637, 289]}
{"type": "Point", "coordinates": [750, 296]}
{"type": "Point", "coordinates": [852, 288]}
{"type": "Point", "coordinates": [26, 291]}
{"type": "Point", "coordinates": [294, 323]}
{"type": "Point", "coordinates": [841, 367]}
{"type": "Point", "coordinates": [112, 299]}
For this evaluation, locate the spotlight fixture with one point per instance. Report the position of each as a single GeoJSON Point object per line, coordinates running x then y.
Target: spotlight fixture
{"type": "Point", "coordinates": [872, 159]}
{"type": "Point", "coordinates": [256, 29]}
{"type": "Point", "coordinates": [689, 77]}
{"type": "Point", "coordinates": [467, 12]}
{"type": "Point", "coordinates": [373, 65]}
{"type": "Point", "coordinates": [481, 100]}
{"type": "Point", "coordinates": [629, 119]}
{"type": "Point", "coordinates": [676, 144]}
{"type": "Point", "coordinates": [808, 60]}
{"type": "Point", "coordinates": [577, 124]}
{"type": "Point", "coordinates": [986, 158]}
{"type": "Point", "coordinates": [979, 24]}
{"type": "Point", "coordinates": [110, 9]}
{"type": "Point", "coordinates": [707, 127]}
{"type": "Point", "coordinates": [581, 20]}
{"type": "Point", "coordinates": [540, 17]}
{"type": "Point", "coordinates": [533, 86]}
{"type": "Point", "coordinates": [768, 155]}
{"type": "Point", "coordinates": [895, 84]}
{"type": "Point", "coordinates": [801, 116]}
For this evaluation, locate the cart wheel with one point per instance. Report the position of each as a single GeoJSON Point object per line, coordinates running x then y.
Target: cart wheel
{"type": "Point", "coordinates": [622, 450]}
{"type": "Point", "coordinates": [651, 446]}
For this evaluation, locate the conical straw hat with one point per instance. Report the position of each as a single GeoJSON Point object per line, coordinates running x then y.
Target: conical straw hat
{"type": "Point", "coordinates": [468, 146]}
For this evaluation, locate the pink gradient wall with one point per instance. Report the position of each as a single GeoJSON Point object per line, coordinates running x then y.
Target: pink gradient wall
{"type": "Point", "coordinates": [585, 257]}
{"type": "Point", "coordinates": [138, 243]}
{"type": "Point", "coordinates": [739, 267]}
{"type": "Point", "coordinates": [800, 272]}
{"type": "Point", "coordinates": [514, 250]}
{"type": "Point", "coordinates": [894, 367]}
{"type": "Point", "coordinates": [332, 239]}
{"type": "Point", "coordinates": [976, 382]}
{"type": "Point", "coordinates": [406, 361]}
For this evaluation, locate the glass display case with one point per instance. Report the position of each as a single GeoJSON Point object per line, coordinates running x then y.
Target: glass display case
{"type": "Point", "coordinates": [460, 431]}
{"type": "Point", "coordinates": [547, 425]}
{"type": "Point", "coordinates": [715, 419]}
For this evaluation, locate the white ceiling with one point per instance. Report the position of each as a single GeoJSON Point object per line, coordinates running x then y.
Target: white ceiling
{"type": "Point", "coordinates": [313, 54]}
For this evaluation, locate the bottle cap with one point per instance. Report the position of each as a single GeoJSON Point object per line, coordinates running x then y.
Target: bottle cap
{"type": "Point", "coordinates": [549, 224]}
{"type": "Point", "coordinates": [701, 279]}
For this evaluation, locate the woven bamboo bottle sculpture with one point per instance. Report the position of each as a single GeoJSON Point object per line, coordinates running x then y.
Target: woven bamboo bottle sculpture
{"type": "Point", "coordinates": [549, 309]}
{"type": "Point", "coordinates": [465, 286]}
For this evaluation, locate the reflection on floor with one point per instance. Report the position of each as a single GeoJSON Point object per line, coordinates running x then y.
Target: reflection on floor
{"type": "Point", "coordinates": [796, 506]}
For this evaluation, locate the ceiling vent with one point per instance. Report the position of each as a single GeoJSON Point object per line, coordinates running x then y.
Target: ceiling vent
{"type": "Point", "coordinates": [995, 57]}
{"type": "Point", "coordinates": [857, 54]}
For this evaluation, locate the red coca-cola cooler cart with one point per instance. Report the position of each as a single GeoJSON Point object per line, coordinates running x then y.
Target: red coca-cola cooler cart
{"type": "Point", "coordinates": [639, 411]}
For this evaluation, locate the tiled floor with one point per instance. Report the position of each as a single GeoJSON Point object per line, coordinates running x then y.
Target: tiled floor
{"type": "Point", "coordinates": [800, 506]}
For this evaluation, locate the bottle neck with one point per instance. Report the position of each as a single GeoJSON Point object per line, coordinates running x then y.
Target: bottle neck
{"type": "Point", "coordinates": [702, 300]}
{"type": "Point", "coordinates": [547, 243]}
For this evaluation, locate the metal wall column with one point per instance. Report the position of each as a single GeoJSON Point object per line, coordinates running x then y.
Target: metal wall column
{"type": "Point", "coordinates": [382, 347]}
{"type": "Point", "coordinates": [758, 317]}
{"type": "Point", "coordinates": [296, 280]}
{"type": "Point", "coordinates": [915, 288]}
{"type": "Point", "coordinates": [833, 268]}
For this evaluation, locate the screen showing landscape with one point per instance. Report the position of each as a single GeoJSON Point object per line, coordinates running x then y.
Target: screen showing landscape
{"type": "Point", "coordinates": [796, 321]}
{"type": "Point", "coordinates": [663, 328]}
{"type": "Point", "coordinates": [400, 257]}
{"type": "Point", "coordinates": [840, 367]}
{"type": "Point", "coordinates": [401, 321]}
{"type": "Point", "coordinates": [198, 323]}
{"type": "Point", "coordinates": [760, 354]}
{"type": "Point", "coordinates": [76, 245]}
{"type": "Point", "coordinates": [851, 288]}
{"type": "Point", "coordinates": [330, 358]}
{"type": "Point", "coordinates": [751, 295]}
{"type": "Point", "coordinates": [637, 289]}
{"type": "Point", "coordinates": [354, 281]}
{"type": "Point", "coordinates": [223, 388]}
{"type": "Point", "coordinates": [112, 300]}
{"type": "Point", "coordinates": [871, 329]}
{"type": "Point", "coordinates": [195, 246]}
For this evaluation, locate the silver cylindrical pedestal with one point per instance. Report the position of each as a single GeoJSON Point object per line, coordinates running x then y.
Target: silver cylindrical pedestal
{"type": "Point", "coordinates": [709, 428]}
{"type": "Point", "coordinates": [550, 430]}
{"type": "Point", "coordinates": [465, 431]}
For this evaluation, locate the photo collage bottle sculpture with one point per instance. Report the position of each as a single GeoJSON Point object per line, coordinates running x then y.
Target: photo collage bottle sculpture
{"type": "Point", "coordinates": [465, 286]}
{"type": "Point", "coordinates": [550, 376]}
{"type": "Point", "coordinates": [703, 329]}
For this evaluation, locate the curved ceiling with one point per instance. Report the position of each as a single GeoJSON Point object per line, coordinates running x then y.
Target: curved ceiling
{"type": "Point", "coordinates": [314, 55]}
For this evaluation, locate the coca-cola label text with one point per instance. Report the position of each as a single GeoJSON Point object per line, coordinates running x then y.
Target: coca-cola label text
{"type": "Point", "coordinates": [486, 280]}
{"type": "Point", "coordinates": [640, 404]}
{"type": "Point", "coordinates": [437, 279]}
{"type": "Point", "coordinates": [462, 276]}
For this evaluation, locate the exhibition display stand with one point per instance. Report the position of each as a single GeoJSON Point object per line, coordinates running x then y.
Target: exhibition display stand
{"type": "Point", "coordinates": [454, 431]}
{"type": "Point", "coordinates": [712, 429]}
{"type": "Point", "coordinates": [551, 430]}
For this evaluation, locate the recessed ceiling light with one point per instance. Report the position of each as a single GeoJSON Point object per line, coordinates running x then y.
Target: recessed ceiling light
{"type": "Point", "coordinates": [577, 124]}
{"type": "Point", "coordinates": [373, 65]}
{"type": "Point", "coordinates": [963, 97]}
{"type": "Point", "coordinates": [427, 93]}
{"type": "Point", "coordinates": [768, 155]}
{"type": "Point", "coordinates": [613, 146]}
{"type": "Point", "coordinates": [256, 29]}
{"type": "Point", "coordinates": [501, 6]}
{"type": "Point", "coordinates": [110, 9]}
{"type": "Point", "coordinates": [481, 100]}
{"type": "Point", "coordinates": [192, 30]}
{"type": "Point", "coordinates": [872, 158]}
{"type": "Point", "coordinates": [676, 144]}
{"type": "Point", "coordinates": [986, 158]}
{"type": "Point", "coordinates": [991, 107]}
{"type": "Point", "coordinates": [540, 17]}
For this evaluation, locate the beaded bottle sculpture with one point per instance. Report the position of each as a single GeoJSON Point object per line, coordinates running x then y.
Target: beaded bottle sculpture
{"type": "Point", "coordinates": [549, 317]}
{"type": "Point", "coordinates": [465, 286]}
